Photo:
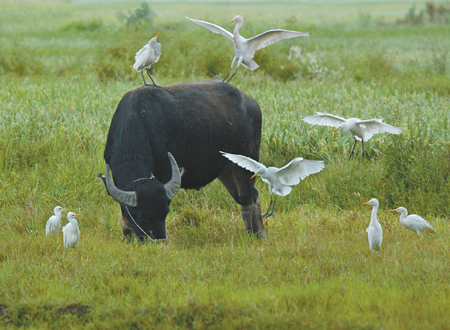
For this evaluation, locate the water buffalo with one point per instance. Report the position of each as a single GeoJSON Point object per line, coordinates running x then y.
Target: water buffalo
{"type": "Point", "coordinates": [155, 131]}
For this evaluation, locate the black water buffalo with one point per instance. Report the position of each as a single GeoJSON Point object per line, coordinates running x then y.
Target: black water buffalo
{"type": "Point", "coordinates": [192, 121]}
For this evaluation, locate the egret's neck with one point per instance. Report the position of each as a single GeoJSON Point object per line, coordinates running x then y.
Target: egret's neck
{"type": "Point", "coordinates": [403, 216]}
{"type": "Point", "coordinates": [236, 31]}
{"type": "Point", "coordinates": [373, 219]}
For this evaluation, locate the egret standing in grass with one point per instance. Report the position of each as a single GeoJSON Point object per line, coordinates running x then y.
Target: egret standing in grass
{"type": "Point", "coordinates": [362, 130]}
{"type": "Point", "coordinates": [412, 222]}
{"type": "Point", "coordinates": [148, 55]}
{"type": "Point", "coordinates": [245, 49]}
{"type": "Point", "coordinates": [374, 231]}
{"type": "Point", "coordinates": [71, 231]}
{"type": "Point", "coordinates": [278, 179]}
{"type": "Point", "coordinates": [54, 222]}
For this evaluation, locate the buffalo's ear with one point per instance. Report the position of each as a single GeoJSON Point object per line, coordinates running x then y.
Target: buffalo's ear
{"type": "Point", "coordinates": [102, 177]}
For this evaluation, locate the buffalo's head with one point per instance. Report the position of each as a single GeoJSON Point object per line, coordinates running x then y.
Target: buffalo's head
{"type": "Point", "coordinates": [146, 207]}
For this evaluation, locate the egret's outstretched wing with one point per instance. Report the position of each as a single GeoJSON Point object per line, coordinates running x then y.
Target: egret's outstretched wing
{"type": "Point", "coordinates": [213, 28]}
{"type": "Point", "coordinates": [376, 126]}
{"type": "Point", "coordinates": [245, 162]}
{"type": "Point", "coordinates": [269, 37]}
{"type": "Point", "coordinates": [324, 119]}
{"type": "Point", "coordinates": [298, 169]}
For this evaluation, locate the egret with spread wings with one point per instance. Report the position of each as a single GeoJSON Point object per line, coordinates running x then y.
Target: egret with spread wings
{"type": "Point", "coordinates": [362, 130]}
{"type": "Point", "coordinates": [278, 179]}
{"type": "Point", "coordinates": [412, 222]}
{"type": "Point", "coordinates": [245, 49]}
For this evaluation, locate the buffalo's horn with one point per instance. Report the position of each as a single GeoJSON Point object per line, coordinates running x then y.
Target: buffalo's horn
{"type": "Point", "coordinates": [174, 184]}
{"type": "Point", "coordinates": [127, 198]}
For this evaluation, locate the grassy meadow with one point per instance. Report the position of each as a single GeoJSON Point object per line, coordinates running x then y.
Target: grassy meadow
{"type": "Point", "coordinates": [64, 66]}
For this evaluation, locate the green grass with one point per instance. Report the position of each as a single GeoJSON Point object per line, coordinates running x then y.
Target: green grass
{"type": "Point", "coordinates": [64, 68]}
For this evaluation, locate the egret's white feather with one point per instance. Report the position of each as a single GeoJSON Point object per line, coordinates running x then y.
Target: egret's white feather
{"type": "Point", "coordinates": [324, 119]}
{"type": "Point", "coordinates": [298, 169]}
{"type": "Point", "coordinates": [272, 36]}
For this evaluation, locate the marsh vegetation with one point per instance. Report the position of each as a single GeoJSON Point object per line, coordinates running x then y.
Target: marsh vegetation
{"type": "Point", "coordinates": [64, 66]}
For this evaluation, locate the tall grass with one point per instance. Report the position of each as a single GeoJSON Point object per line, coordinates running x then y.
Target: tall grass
{"type": "Point", "coordinates": [65, 67]}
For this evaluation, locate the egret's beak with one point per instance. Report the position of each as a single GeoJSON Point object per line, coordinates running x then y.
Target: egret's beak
{"type": "Point", "coordinates": [394, 210]}
{"type": "Point", "coordinates": [64, 209]}
{"type": "Point", "coordinates": [254, 175]}
{"type": "Point", "coordinates": [335, 129]}
{"type": "Point", "coordinates": [77, 215]}
{"type": "Point", "coordinates": [157, 36]}
{"type": "Point", "coordinates": [231, 21]}
{"type": "Point", "coordinates": [366, 203]}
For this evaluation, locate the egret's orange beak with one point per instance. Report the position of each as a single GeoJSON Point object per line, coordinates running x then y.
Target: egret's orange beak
{"type": "Point", "coordinates": [77, 215]}
{"type": "Point", "coordinates": [394, 210]}
{"type": "Point", "coordinates": [157, 35]}
{"type": "Point", "coordinates": [64, 209]}
{"type": "Point", "coordinates": [231, 21]}
{"type": "Point", "coordinates": [366, 203]}
{"type": "Point", "coordinates": [254, 175]}
{"type": "Point", "coordinates": [335, 130]}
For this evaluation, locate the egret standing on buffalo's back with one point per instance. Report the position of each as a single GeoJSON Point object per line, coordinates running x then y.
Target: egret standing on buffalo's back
{"type": "Point", "coordinates": [362, 130]}
{"type": "Point", "coordinates": [278, 179]}
{"type": "Point", "coordinates": [245, 49]}
{"type": "Point", "coordinates": [148, 55]}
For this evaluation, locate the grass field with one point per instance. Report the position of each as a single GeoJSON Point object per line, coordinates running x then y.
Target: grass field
{"type": "Point", "coordinates": [64, 67]}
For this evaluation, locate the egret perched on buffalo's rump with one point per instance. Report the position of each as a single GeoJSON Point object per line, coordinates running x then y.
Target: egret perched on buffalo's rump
{"type": "Point", "coordinates": [278, 179]}
{"type": "Point", "coordinates": [54, 222]}
{"type": "Point", "coordinates": [412, 222]}
{"type": "Point", "coordinates": [245, 49]}
{"type": "Point", "coordinates": [71, 231]}
{"type": "Point", "coordinates": [362, 130]}
{"type": "Point", "coordinates": [148, 55]}
{"type": "Point", "coordinates": [374, 231]}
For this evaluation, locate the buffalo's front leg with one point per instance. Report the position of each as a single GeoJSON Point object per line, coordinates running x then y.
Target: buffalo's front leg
{"type": "Point", "coordinates": [240, 186]}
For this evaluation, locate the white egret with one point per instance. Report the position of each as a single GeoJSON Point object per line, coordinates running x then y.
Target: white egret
{"type": "Point", "coordinates": [362, 130]}
{"type": "Point", "coordinates": [71, 231]}
{"type": "Point", "coordinates": [245, 49]}
{"type": "Point", "coordinates": [278, 179]}
{"type": "Point", "coordinates": [374, 231]}
{"type": "Point", "coordinates": [148, 55]}
{"type": "Point", "coordinates": [54, 222]}
{"type": "Point", "coordinates": [412, 222]}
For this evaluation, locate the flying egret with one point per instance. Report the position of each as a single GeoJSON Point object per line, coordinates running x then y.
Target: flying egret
{"type": "Point", "coordinates": [54, 222]}
{"type": "Point", "coordinates": [71, 231]}
{"type": "Point", "coordinates": [278, 179]}
{"type": "Point", "coordinates": [374, 231]}
{"type": "Point", "coordinates": [362, 130]}
{"type": "Point", "coordinates": [244, 49]}
{"type": "Point", "coordinates": [148, 55]}
{"type": "Point", "coordinates": [412, 222]}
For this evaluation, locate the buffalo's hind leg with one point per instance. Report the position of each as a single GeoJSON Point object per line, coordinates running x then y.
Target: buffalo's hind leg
{"type": "Point", "coordinates": [241, 187]}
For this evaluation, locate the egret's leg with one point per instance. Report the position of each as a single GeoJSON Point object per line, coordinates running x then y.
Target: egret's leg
{"type": "Point", "coordinates": [231, 67]}
{"type": "Point", "coordinates": [142, 74]}
{"type": "Point", "coordinates": [273, 206]}
{"type": "Point", "coordinates": [362, 142]}
{"type": "Point", "coordinates": [237, 66]}
{"type": "Point", "coordinates": [151, 78]}
{"type": "Point", "coordinates": [265, 215]}
{"type": "Point", "coordinates": [351, 154]}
